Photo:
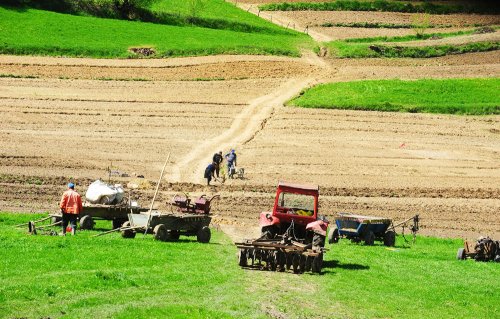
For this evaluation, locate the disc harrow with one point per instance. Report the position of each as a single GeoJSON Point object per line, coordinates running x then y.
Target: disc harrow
{"type": "Point", "coordinates": [281, 253]}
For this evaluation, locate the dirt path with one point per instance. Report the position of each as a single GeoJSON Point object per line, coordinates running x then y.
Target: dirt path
{"type": "Point", "coordinates": [458, 40]}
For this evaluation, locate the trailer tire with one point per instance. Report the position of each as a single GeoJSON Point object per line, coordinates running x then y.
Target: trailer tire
{"type": "Point", "coordinates": [203, 235]}
{"type": "Point", "coordinates": [127, 233]}
{"type": "Point", "coordinates": [390, 238]}
{"type": "Point", "coordinates": [86, 222]}
{"type": "Point", "coordinates": [160, 232]}
{"type": "Point", "coordinates": [333, 236]}
{"type": "Point", "coordinates": [369, 238]}
{"type": "Point", "coordinates": [461, 254]}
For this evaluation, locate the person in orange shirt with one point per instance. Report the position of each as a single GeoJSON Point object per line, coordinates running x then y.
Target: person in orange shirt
{"type": "Point", "coordinates": [71, 207]}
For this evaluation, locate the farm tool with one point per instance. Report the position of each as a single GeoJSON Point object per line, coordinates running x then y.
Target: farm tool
{"type": "Point", "coordinates": [485, 249]}
{"type": "Point", "coordinates": [292, 235]}
{"type": "Point", "coordinates": [188, 219]}
{"type": "Point", "coordinates": [359, 228]}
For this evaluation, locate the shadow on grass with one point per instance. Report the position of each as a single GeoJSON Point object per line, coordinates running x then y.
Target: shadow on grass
{"type": "Point", "coordinates": [347, 266]}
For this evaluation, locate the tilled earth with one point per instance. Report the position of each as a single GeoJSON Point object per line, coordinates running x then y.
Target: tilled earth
{"type": "Point", "coordinates": [72, 119]}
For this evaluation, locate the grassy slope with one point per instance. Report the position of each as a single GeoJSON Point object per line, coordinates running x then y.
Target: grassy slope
{"type": "Point", "coordinates": [217, 9]}
{"type": "Point", "coordinates": [77, 277]}
{"type": "Point", "coordinates": [49, 33]}
{"type": "Point", "coordinates": [454, 96]}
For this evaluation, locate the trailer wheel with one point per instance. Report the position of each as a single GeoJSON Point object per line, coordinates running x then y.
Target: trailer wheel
{"type": "Point", "coordinates": [203, 235]}
{"type": "Point", "coordinates": [461, 254]}
{"type": "Point", "coordinates": [390, 238]}
{"type": "Point", "coordinates": [242, 258]}
{"type": "Point", "coordinates": [317, 263]}
{"type": "Point", "coordinates": [369, 238]}
{"type": "Point", "coordinates": [160, 232]}
{"type": "Point", "coordinates": [127, 233]}
{"type": "Point", "coordinates": [86, 222]}
{"type": "Point", "coordinates": [333, 236]}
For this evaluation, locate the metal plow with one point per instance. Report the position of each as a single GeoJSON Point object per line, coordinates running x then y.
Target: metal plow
{"type": "Point", "coordinates": [280, 254]}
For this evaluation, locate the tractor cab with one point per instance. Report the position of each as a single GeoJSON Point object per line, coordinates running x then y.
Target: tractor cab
{"type": "Point", "coordinates": [296, 202]}
{"type": "Point", "coordinates": [295, 209]}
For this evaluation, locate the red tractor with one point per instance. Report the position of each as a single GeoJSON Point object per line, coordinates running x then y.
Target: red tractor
{"type": "Point", "coordinates": [292, 234]}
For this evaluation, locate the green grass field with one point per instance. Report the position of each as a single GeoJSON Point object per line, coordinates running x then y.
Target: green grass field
{"type": "Point", "coordinates": [111, 277]}
{"type": "Point", "coordinates": [39, 32]}
{"type": "Point", "coordinates": [375, 47]}
{"type": "Point", "coordinates": [446, 96]}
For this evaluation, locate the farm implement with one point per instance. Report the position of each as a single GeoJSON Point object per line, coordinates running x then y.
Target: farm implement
{"type": "Point", "coordinates": [359, 228]}
{"type": "Point", "coordinates": [292, 235]}
{"type": "Point", "coordinates": [187, 219]}
{"type": "Point", "coordinates": [117, 214]}
{"type": "Point", "coordinates": [485, 249]}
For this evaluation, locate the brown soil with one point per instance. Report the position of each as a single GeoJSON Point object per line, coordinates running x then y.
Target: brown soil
{"type": "Point", "coordinates": [396, 165]}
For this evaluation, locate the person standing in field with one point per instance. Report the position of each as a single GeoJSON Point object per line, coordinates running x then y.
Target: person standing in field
{"type": "Point", "coordinates": [231, 162]}
{"type": "Point", "coordinates": [217, 159]}
{"type": "Point", "coordinates": [209, 172]}
{"type": "Point", "coordinates": [71, 207]}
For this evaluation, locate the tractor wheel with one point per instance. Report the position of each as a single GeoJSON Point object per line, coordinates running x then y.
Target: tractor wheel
{"type": "Point", "coordinates": [295, 263]}
{"type": "Point", "coordinates": [174, 234]}
{"type": "Point", "coordinates": [203, 235]}
{"type": "Point", "coordinates": [160, 232]}
{"type": "Point", "coordinates": [390, 238]}
{"type": "Point", "coordinates": [317, 263]}
{"type": "Point", "coordinates": [127, 233]}
{"type": "Point", "coordinates": [86, 222]}
{"type": "Point", "coordinates": [242, 258]}
{"type": "Point", "coordinates": [461, 254]}
{"type": "Point", "coordinates": [318, 241]}
{"type": "Point", "coordinates": [333, 236]}
{"type": "Point", "coordinates": [369, 238]}
{"type": "Point", "coordinates": [117, 223]}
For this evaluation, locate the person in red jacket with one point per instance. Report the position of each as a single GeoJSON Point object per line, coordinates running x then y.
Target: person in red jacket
{"type": "Point", "coordinates": [71, 207]}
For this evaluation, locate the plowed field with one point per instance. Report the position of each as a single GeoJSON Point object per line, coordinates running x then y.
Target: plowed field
{"type": "Point", "coordinates": [73, 118]}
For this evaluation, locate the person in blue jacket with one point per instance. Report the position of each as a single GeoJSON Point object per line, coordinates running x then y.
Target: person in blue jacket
{"type": "Point", "coordinates": [231, 162]}
{"type": "Point", "coordinates": [210, 172]}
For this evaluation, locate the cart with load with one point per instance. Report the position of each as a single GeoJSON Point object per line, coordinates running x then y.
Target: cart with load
{"type": "Point", "coordinates": [187, 219]}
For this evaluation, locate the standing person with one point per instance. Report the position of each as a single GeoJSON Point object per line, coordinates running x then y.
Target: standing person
{"type": "Point", "coordinates": [209, 172]}
{"type": "Point", "coordinates": [231, 162]}
{"type": "Point", "coordinates": [217, 159]}
{"type": "Point", "coordinates": [71, 207]}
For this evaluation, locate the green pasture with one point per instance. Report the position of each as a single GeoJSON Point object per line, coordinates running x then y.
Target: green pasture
{"type": "Point", "coordinates": [378, 47]}
{"type": "Point", "coordinates": [446, 96]}
{"type": "Point", "coordinates": [112, 277]}
{"type": "Point", "coordinates": [39, 32]}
